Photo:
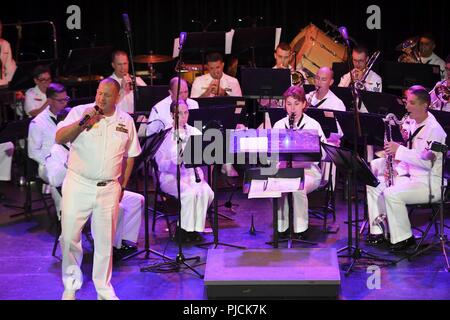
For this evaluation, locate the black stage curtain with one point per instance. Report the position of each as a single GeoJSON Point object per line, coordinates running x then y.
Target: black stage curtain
{"type": "Point", "coordinates": [156, 23]}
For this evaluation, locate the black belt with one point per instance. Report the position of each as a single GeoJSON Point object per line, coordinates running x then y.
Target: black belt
{"type": "Point", "coordinates": [103, 183]}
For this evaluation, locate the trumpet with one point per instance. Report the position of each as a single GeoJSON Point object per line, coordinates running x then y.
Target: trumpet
{"type": "Point", "coordinates": [441, 92]}
{"type": "Point", "coordinates": [360, 83]}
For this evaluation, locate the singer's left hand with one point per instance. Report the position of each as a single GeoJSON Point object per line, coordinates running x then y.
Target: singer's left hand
{"type": "Point", "coordinates": [391, 148]}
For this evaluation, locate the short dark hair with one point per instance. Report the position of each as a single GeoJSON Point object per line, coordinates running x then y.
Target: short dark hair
{"type": "Point", "coordinates": [54, 88]}
{"type": "Point", "coordinates": [118, 53]}
{"type": "Point", "coordinates": [361, 49]}
{"type": "Point", "coordinates": [284, 46]}
{"type": "Point", "coordinates": [214, 57]}
{"type": "Point", "coordinates": [428, 35]}
{"type": "Point", "coordinates": [298, 93]}
{"type": "Point", "coordinates": [173, 105]}
{"type": "Point", "coordinates": [40, 69]}
{"type": "Point", "coordinates": [421, 93]}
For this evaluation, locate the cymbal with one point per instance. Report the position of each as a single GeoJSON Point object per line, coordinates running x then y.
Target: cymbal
{"type": "Point", "coordinates": [407, 44]}
{"type": "Point", "coordinates": [152, 58]}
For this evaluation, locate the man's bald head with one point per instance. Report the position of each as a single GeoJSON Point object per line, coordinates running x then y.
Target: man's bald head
{"type": "Point", "coordinates": [326, 72]}
{"type": "Point", "coordinates": [324, 78]}
{"type": "Point", "coordinates": [108, 96]}
{"type": "Point", "coordinates": [111, 82]}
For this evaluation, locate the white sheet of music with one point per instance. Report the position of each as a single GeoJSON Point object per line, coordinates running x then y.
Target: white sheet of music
{"type": "Point", "coordinates": [283, 185]}
{"type": "Point", "coordinates": [258, 190]}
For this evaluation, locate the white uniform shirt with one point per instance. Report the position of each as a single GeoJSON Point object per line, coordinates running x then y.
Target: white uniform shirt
{"type": "Point", "coordinates": [373, 82]}
{"type": "Point", "coordinates": [435, 60]}
{"type": "Point", "coordinates": [230, 84]}
{"type": "Point", "coordinates": [332, 102]}
{"type": "Point", "coordinates": [8, 65]}
{"type": "Point", "coordinates": [126, 101]}
{"type": "Point", "coordinates": [98, 154]}
{"type": "Point", "coordinates": [307, 123]}
{"type": "Point", "coordinates": [56, 165]}
{"type": "Point", "coordinates": [411, 162]}
{"type": "Point", "coordinates": [41, 136]}
{"type": "Point", "coordinates": [161, 112]}
{"type": "Point", "coordinates": [34, 99]}
{"type": "Point", "coordinates": [167, 158]}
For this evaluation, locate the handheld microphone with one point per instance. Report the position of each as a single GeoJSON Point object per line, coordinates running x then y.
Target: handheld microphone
{"type": "Point", "coordinates": [183, 36]}
{"type": "Point", "coordinates": [344, 34]}
{"type": "Point", "coordinates": [126, 22]}
{"type": "Point", "coordinates": [87, 117]}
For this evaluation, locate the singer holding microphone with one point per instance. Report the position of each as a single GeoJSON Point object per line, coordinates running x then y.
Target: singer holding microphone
{"type": "Point", "coordinates": [196, 194]}
{"type": "Point", "coordinates": [104, 144]}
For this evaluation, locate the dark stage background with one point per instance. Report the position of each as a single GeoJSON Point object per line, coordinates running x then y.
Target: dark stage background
{"type": "Point", "coordinates": [156, 23]}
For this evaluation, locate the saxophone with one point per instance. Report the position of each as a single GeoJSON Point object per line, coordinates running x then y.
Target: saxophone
{"type": "Point", "coordinates": [390, 121]}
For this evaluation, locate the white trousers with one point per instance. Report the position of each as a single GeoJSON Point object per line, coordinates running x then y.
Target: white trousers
{"type": "Point", "coordinates": [195, 201]}
{"type": "Point", "coordinates": [6, 156]}
{"type": "Point", "coordinates": [129, 220]}
{"type": "Point", "coordinates": [82, 198]}
{"type": "Point", "coordinates": [300, 204]}
{"type": "Point", "coordinates": [392, 201]}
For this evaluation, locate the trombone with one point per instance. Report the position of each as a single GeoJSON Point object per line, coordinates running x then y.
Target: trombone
{"type": "Point", "coordinates": [360, 83]}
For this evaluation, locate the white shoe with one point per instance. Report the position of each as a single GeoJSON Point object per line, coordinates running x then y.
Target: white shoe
{"type": "Point", "coordinates": [69, 295]}
{"type": "Point", "coordinates": [229, 170]}
{"type": "Point", "coordinates": [110, 297]}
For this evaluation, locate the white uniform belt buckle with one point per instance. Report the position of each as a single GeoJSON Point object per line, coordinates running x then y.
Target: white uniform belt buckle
{"type": "Point", "coordinates": [103, 183]}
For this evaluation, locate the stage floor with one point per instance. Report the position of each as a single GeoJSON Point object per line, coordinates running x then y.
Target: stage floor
{"type": "Point", "coordinates": [28, 271]}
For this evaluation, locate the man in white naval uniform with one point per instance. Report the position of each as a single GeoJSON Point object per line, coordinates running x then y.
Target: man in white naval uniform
{"type": "Point", "coordinates": [35, 98]}
{"type": "Point", "coordinates": [296, 104]}
{"type": "Point", "coordinates": [42, 131]}
{"type": "Point", "coordinates": [130, 208]}
{"type": "Point", "coordinates": [160, 116]}
{"type": "Point", "coordinates": [195, 197]}
{"type": "Point", "coordinates": [120, 64]}
{"type": "Point", "coordinates": [417, 174]}
{"type": "Point", "coordinates": [436, 102]}
{"type": "Point", "coordinates": [427, 44]}
{"type": "Point", "coordinates": [217, 84]}
{"type": "Point", "coordinates": [104, 144]}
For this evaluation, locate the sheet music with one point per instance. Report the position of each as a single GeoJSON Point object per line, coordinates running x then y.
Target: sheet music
{"type": "Point", "coordinates": [283, 185]}
{"type": "Point", "coordinates": [229, 41]}
{"type": "Point", "coordinates": [258, 190]}
{"type": "Point", "coordinates": [176, 50]}
{"type": "Point", "coordinates": [277, 37]}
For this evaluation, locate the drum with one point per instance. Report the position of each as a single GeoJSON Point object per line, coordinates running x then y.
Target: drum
{"type": "Point", "coordinates": [315, 49]}
{"type": "Point", "coordinates": [192, 71]}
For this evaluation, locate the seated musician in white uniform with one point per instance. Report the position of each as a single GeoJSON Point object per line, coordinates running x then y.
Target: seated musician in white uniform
{"type": "Point", "coordinates": [160, 116]}
{"type": "Point", "coordinates": [35, 98]}
{"type": "Point", "coordinates": [130, 207]}
{"type": "Point", "coordinates": [295, 103]}
{"type": "Point", "coordinates": [416, 174]}
{"type": "Point", "coordinates": [427, 44]}
{"type": "Point", "coordinates": [195, 197]}
{"type": "Point", "coordinates": [440, 95]}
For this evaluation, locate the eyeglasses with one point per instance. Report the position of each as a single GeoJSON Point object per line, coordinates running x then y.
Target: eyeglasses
{"type": "Point", "coordinates": [66, 99]}
{"type": "Point", "coordinates": [44, 79]}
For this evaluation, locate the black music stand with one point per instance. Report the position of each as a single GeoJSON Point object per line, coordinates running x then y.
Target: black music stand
{"type": "Point", "coordinates": [150, 147]}
{"type": "Point", "coordinates": [192, 158]}
{"type": "Point", "coordinates": [148, 96]}
{"type": "Point", "coordinates": [263, 83]}
{"type": "Point", "coordinates": [383, 103]}
{"type": "Point", "coordinates": [355, 167]}
{"type": "Point", "coordinates": [345, 94]}
{"type": "Point", "coordinates": [23, 76]}
{"type": "Point", "coordinates": [443, 118]}
{"type": "Point", "coordinates": [198, 44]}
{"type": "Point", "coordinates": [325, 118]}
{"type": "Point", "coordinates": [399, 76]}
{"type": "Point", "coordinates": [251, 42]}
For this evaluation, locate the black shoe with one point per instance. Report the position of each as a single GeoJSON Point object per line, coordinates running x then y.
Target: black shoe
{"type": "Point", "coordinates": [300, 235]}
{"type": "Point", "coordinates": [128, 245]}
{"type": "Point", "coordinates": [195, 237]}
{"type": "Point", "coordinates": [403, 245]}
{"type": "Point", "coordinates": [283, 235]}
{"type": "Point", "coordinates": [374, 239]}
{"type": "Point", "coordinates": [183, 236]}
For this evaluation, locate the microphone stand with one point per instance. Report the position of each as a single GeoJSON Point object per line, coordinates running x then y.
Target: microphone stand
{"type": "Point", "coordinates": [180, 258]}
{"type": "Point", "coordinates": [131, 55]}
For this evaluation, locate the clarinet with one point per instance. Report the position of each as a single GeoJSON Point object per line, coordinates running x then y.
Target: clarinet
{"type": "Point", "coordinates": [291, 127]}
{"type": "Point", "coordinates": [197, 175]}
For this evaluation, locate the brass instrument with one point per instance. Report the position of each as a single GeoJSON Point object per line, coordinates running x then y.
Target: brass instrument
{"type": "Point", "coordinates": [441, 92]}
{"type": "Point", "coordinates": [297, 78]}
{"type": "Point", "coordinates": [410, 49]}
{"type": "Point", "coordinates": [390, 121]}
{"type": "Point", "coordinates": [360, 83]}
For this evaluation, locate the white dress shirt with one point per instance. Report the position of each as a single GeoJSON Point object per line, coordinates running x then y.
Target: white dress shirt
{"type": "Point", "coordinates": [126, 100]}
{"type": "Point", "coordinates": [373, 82]}
{"type": "Point", "coordinates": [41, 136]}
{"type": "Point", "coordinates": [8, 65]}
{"type": "Point", "coordinates": [34, 99]}
{"type": "Point", "coordinates": [228, 83]}
{"type": "Point", "coordinates": [435, 60]}
{"type": "Point", "coordinates": [98, 153]}
{"type": "Point", "coordinates": [160, 116]}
